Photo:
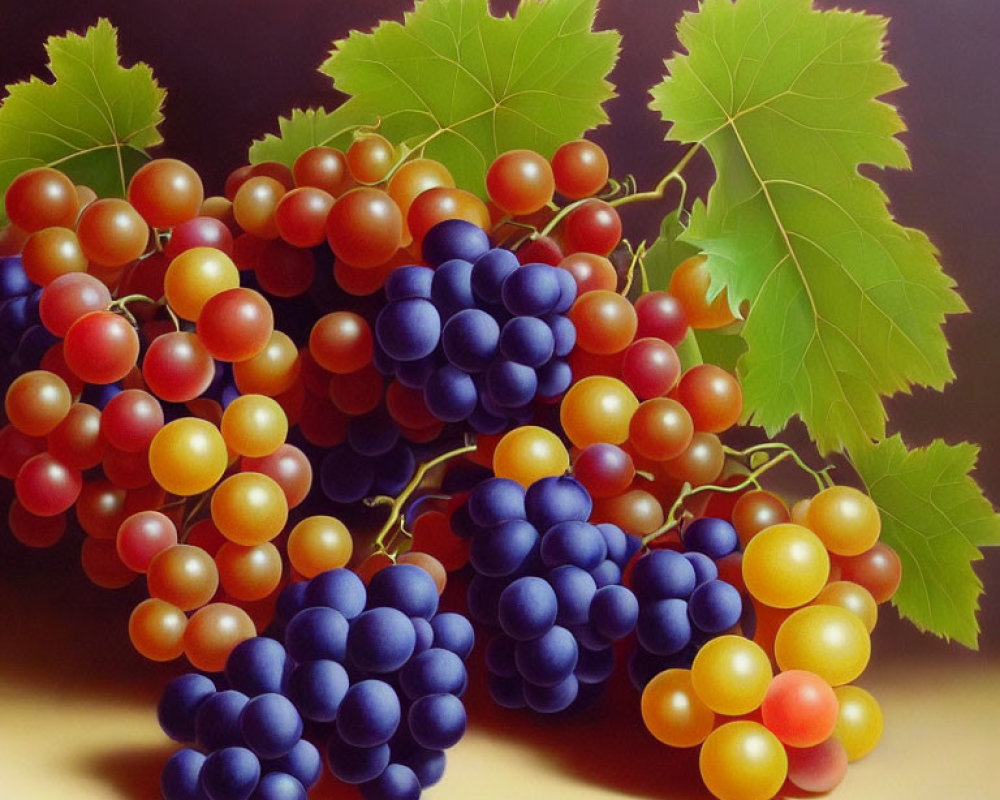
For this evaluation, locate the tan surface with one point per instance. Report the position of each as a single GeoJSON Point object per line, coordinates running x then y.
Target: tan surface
{"type": "Point", "coordinates": [77, 719]}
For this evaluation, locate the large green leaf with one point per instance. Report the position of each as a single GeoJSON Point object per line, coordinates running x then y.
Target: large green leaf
{"type": "Point", "coordinates": [936, 517]}
{"type": "Point", "coordinates": [843, 305]}
{"type": "Point", "coordinates": [94, 122]}
{"type": "Point", "coordinates": [465, 85]}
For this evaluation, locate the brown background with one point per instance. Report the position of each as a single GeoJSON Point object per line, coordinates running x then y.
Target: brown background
{"type": "Point", "coordinates": [231, 66]}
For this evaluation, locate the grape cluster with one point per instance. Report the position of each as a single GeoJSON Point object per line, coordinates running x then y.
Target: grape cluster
{"type": "Point", "coordinates": [682, 601]}
{"type": "Point", "coordinates": [480, 335]}
{"type": "Point", "coordinates": [551, 582]}
{"type": "Point", "coordinates": [373, 677]}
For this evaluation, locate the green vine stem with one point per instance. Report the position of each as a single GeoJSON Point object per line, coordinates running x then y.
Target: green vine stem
{"type": "Point", "coordinates": [389, 528]}
{"type": "Point", "coordinates": [784, 453]}
{"type": "Point", "coordinates": [658, 191]}
{"type": "Point", "coordinates": [822, 476]}
{"type": "Point", "coordinates": [635, 264]}
{"type": "Point", "coordinates": [690, 491]}
{"type": "Point", "coordinates": [121, 305]}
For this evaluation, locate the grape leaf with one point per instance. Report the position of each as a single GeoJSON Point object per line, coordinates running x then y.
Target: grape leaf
{"type": "Point", "coordinates": [94, 122]}
{"type": "Point", "coordinates": [722, 348]}
{"type": "Point", "coordinates": [936, 517]}
{"type": "Point", "coordinates": [466, 86]}
{"type": "Point", "coordinates": [842, 304]}
{"type": "Point", "coordinates": [303, 129]}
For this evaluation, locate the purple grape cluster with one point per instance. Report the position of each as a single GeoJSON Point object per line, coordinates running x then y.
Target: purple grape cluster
{"type": "Point", "coordinates": [23, 338]}
{"type": "Point", "coordinates": [372, 678]}
{"type": "Point", "coordinates": [551, 582]}
{"type": "Point", "coordinates": [479, 334]}
{"type": "Point", "coordinates": [682, 601]}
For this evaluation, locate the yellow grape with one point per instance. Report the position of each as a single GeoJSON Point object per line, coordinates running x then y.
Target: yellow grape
{"type": "Point", "coordinates": [731, 675]}
{"type": "Point", "coordinates": [859, 723]}
{"type": "Point", "coordinates": [846, 520]}
{"type": "Point", "coordinates": [156, 629]}
{"type": "Point", "coordinates": [249, 573]}
{"type": "Point", "coordinates": [827, 640]}
{"type": "Point", "coordinates": [188, 456]}
{"type": "Point", "coordinates": [673, 712]}
{"type": "Point", "coordinates": [785, 566]}
{"type": "Point", "coordinates": [319, 543]}
{"type": "Point", "coordinates": [249, 508]}
{"type": "Point", "coordinates": [743, 760]}
{"type": "Point", "coordinates": [597, 409]}
{"type": "Point", "coordinates": [529, 453]}
{"type": "Point", "coordinates": [254, 425]}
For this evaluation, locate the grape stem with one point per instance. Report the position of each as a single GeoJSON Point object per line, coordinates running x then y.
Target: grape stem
{"type": "Point", "coordinates": [120, 304]}
{"type": "Point", "coordinates": [396, 513]}
{"type": "Point", "coordinates": [673, 517]}
{"type": "Point", "coordinates": [635, 263]}
{"type": "Point", "coordinates": [822, 477]}
{"type": "Point", "coordinates": [657, 192]}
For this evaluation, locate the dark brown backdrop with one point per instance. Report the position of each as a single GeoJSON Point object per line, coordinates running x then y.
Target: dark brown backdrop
{"type": "Point", "coordinates": [232, 66]}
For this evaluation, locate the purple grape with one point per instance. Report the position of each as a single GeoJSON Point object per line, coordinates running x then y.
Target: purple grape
{"type": "Point", "coordinates": [496, 500]}
{"type": "Point", "coordinates": [356, 764]}
{"type": "Point", "coordinates": [373, 434]}
{"type": "Point", "coordinates": [450, 394]}
{"type": "Point", "coordinates": [511, 384]}
{"type": "Point", "coordinates": [567, 291]}
{"type": "Point", "coordinates": [554, 378]}
{"type": "Point", "coordinates": [663, 574]}
{"type": "Point", "coordinates": [507, 692]}
{"type": "Point", "coordinates": [217, 723]}
{"type": "Point", "coordinates": [369, 714]}
{"type": "Point", "coordinates": [405, 587]}
{"type": "Point", "coordinates": [451, 288]}
{"type": "Point", "coordinates": [408, 329]}
{"type": "Point", "coordinates": [663, 626]}
{"type": "Point", "coordinates": [453, 632]}
{"type": "Point", "coordinates": [715, 606]}
{"type": "Point", "coordinates": [502, 549]}
{"type": "Point", "coordinates": [14, 280]}
{"type": "Point", "coordinates": [489, 272]}
{"type": "Point", "coordinates": [279, 786]}
{"type": "Point", "coordinates": [552, 500]}
{"type": "Point", "coordinates": [573, 542]}
{"type": "Point", "coordinates": [179, 778]}
{"type": "Point", "coordinates": [271, 725]}
{"type": "Point", "coordinates": [527, 340]}
{"type": "Point", "coordinates": [470, 339]}
{"type": "Point", "coordinates": [436, 721]}
{"type": "Point", "coordinates": [614, 612]}
{"type": "Point", "coordinates": [563, 334]}
{"type": "Point", "coordinates": [179, 705]}
{"type": "Point", "coordinates": [317, 688]}
{"type": "Point", "coordinates": [527, 608]}
{"type": "Point", "coordinates": [434, 671]}
{"type": "Point", "coordinates": [531, 291]}
{"type": "Point", "coordinates": [552, 699]}
{"type": "Point", "coordinates": [340, 589]}
{"type": "Point", "coordinates": [427, 765]}
{"type": "Point", "coordinates": [454, 238]}
{"type": "Point", "coordinates": [397, 782]}
{"type": "Point", "coordinates": [380, 641]}
{"type": "Point", "coordinates": [704, 567]}
{"type": "Point", "coordinates": [547, 659]}
{"type": "Point", "coordinates": [710, 535]}
{"type": "Point", "coordinates": [595, 666]}
{"type": "Point", "coordinates": [316, 633]}
{"type": "Point", "coordinates": [257, 665]}
{"type": "Point", "coordinates": [302, 762]}
{"type": "Point", "coordinates": [409, 281]}
{"type": "Point", "coordinates": [346, 476]}
{"type": "Point", "coordinates": [230, 774]}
